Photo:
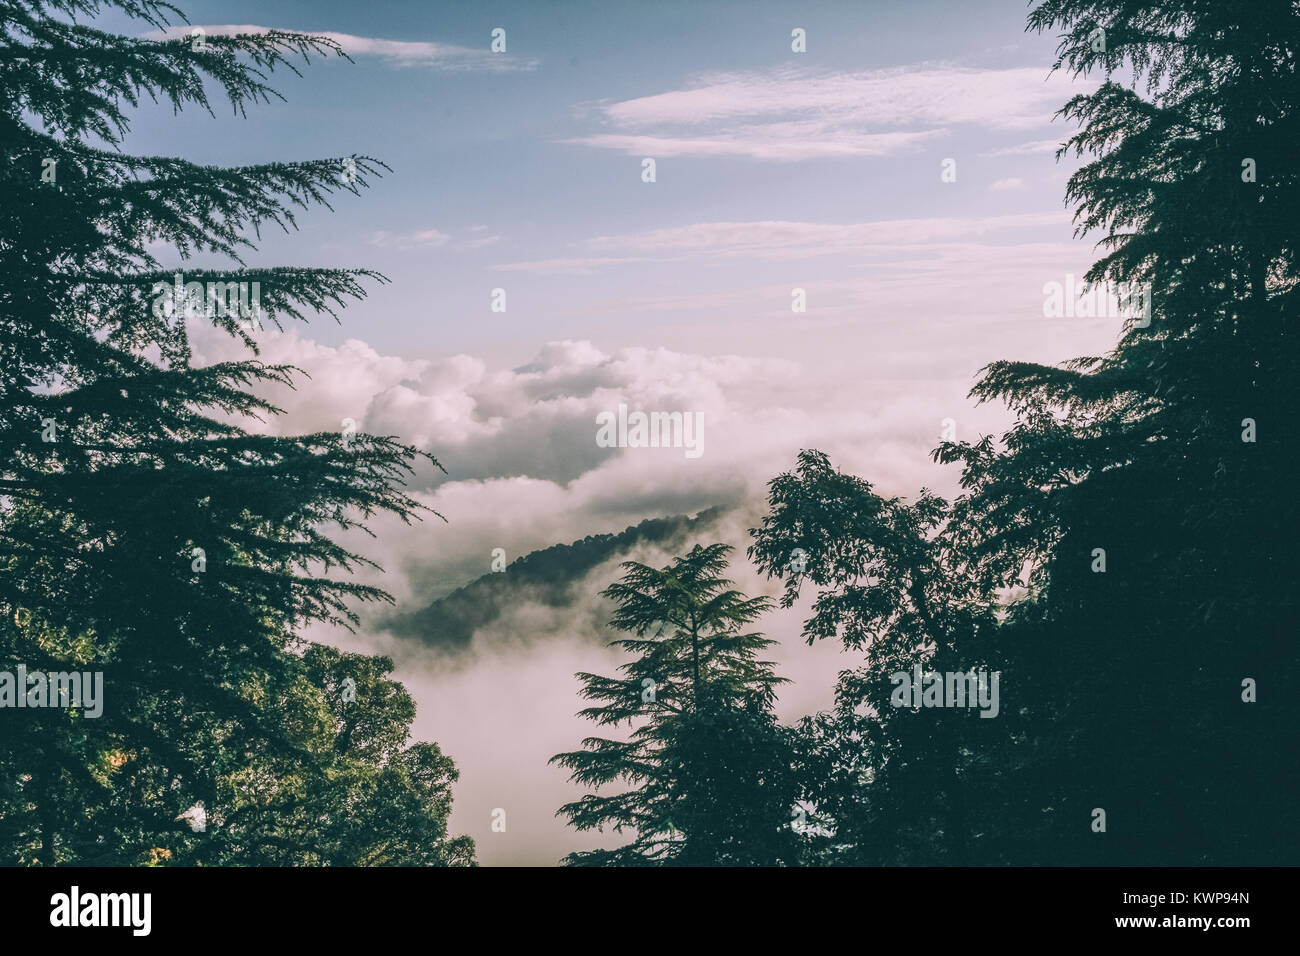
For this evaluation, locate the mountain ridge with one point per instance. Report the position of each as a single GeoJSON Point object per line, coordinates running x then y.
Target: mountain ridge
{"type": "Point", "coordinates": [545, 576]}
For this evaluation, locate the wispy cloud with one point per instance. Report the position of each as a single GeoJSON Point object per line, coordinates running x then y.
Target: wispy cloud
{"type": "Point", "coordinates": [411, 240]}
{"type": "Point", "coordinates": [426, 238]}
{"type": "Point", "coordinates": [780, 240]}
{"type": "Point", "coordinates": [402, 53]}
{"type": "Point", "coordinates": [780, 142]}
{"type": "Point", "coordinates": [813, 238]}
{"type": "Point", "coordinates": [579, 266]}
{"type": "Point", "coordinates": [796, 114]}
{"type": "Point", "coordinates": [969, 282]}
{"type": "Point", "coordinates": [1045, 146]}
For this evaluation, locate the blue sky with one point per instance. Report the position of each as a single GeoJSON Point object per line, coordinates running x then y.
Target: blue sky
{"type": "Point", "coordinates": [497, 154]}
{"type": "Point", "coordinates": [775, 171]}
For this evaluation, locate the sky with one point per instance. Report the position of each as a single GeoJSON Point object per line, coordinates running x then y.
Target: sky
{"type": "Point", "coordinates": [775, 171]}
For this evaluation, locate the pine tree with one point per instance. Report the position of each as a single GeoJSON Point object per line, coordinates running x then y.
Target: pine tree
{"type": "Point", "coordinates": [711, 768]}
{"type": "Point", "coordinates": [1145, 493]}
{"type": "Point", "coordinates": [144, 532]}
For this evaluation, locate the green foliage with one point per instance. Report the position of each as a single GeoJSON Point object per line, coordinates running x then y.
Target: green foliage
{"type": "Point", "coordinates": [1141, 452]}
{"type": "Point", "coordinates": [1122, 689]}
{"type": "Point", "coordinates": [548, 576]}
{"type": "Point", "coordinates": [208, 696]}
{"type": "Point", "coordinates": [711, 769]}
{"type": "Point", "coordinates": [889, 785]}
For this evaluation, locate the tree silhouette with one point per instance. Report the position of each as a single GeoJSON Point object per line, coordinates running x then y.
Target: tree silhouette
{"type": "Point", "coordinates": [889, 784]}
{"type": "Point", "coordinates": [711, 768]}
{"type": "Point", "coordinates": [144, 531]}
{"type": "Point", "coordinates": [1164, 459]}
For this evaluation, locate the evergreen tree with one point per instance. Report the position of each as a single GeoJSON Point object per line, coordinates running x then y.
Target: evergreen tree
{"type": "Point", "coordinates": [1141, 493]}
{"type": "Point", "coordinates": [144, 532]}
{"type": "Point", "coordinates": [379, 801]}
{"type": "Point", "coordinates": [711, 769]}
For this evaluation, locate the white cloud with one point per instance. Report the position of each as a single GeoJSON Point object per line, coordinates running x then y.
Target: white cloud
{"type": "Point", "coordinates": [785, 142]}
{"type": "Point", "coordinates": [792, 114]}
{"type": "Point", "coordinates": [426, 237]}
{"type": "Point", "coordinates": [524, 469]}
{"type": "Point", "coordinates": [747, 239]}
{"type": "Point", "coordinates": [401, 53]}
{"type": "Point", "coordinates": [771, 239]}
{"type": "Point", "coordinates": [1044, 146]}
{"type": "Point", "coordinates": [578, 266]}
{"type": "Point", "coordinates": [1010, 184]}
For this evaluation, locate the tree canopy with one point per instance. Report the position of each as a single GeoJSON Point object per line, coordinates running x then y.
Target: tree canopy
{"type": "Point", "coordinates": [146, 531]}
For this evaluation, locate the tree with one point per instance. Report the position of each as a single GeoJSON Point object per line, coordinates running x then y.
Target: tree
{"type": "Point", "coordinates": [711, 768]}
{"type": "Point", "coordinates": [378, 801]}
{"type": "Point", "coordinates": [1139, 494]}
{"type": "Point", "coordinates": [144, 531]}
{"type": "Point", "coordinates": [889, 784]}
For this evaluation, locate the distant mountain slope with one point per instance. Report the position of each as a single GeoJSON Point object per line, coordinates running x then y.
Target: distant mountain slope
{"type": "Point", "coordinates": [546, 576]}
